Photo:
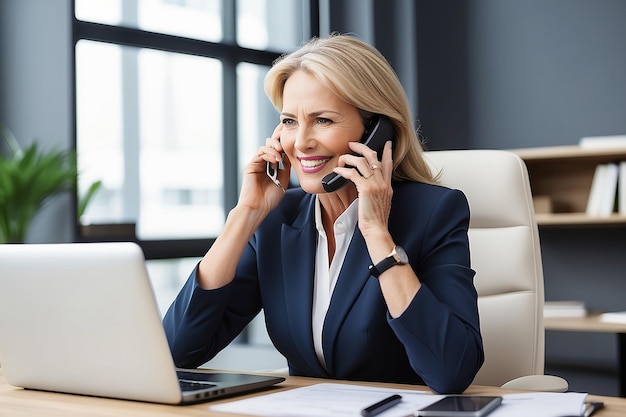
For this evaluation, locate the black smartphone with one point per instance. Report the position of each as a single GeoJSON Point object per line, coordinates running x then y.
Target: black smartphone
{"type": "Point", "coordinates": [461, 406]}
{"type": "Point", "coordinates": [377, 133]}
{"type": "Point", "coordinates": [272, 170]}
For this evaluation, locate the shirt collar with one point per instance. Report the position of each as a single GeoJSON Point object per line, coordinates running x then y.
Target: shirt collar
{"type": "Point", "coordinates": [345, 222]}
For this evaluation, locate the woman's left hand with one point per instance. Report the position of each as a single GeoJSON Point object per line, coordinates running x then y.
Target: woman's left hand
{"type": "Point", "coordinates": [373, 182]}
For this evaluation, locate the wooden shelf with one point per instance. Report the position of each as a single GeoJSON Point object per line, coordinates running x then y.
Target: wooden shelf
{"type": "Point", "coordinates": [561, 176]}
{"type": "Point", "coordinates": [589, 323]}
{"type": "Point", "coordinates": [581, 219]}
{"type": "Point", "coordinates": [560, 153]}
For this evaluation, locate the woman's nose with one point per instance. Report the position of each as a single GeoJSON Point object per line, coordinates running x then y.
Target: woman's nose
{"type": "Point", "coordinates": [303, 138]}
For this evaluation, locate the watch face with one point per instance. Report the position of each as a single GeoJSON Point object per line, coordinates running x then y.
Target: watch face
{"type": "Point", "coordinates": [402, 256]}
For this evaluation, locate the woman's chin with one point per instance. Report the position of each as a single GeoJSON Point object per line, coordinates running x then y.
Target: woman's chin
{"type": "Point", "coordinates": [312, 186]}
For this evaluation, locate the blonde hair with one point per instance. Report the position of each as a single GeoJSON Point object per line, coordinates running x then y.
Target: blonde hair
{"type": "Point", "coordinates": [358, 74]}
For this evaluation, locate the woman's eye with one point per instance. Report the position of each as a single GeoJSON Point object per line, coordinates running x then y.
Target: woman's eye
{"type": "Point", "coordinates": [288, 122]}
{"type": "Point", "coordinates": [323, 120]}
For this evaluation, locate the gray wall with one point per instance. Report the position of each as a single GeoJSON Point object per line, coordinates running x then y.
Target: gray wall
{"type": "Point", "coordinates": [546, 72]}
{"type": "Point", "coordinates": [35, 91]}
{"type": "Point", "coordinates": [508, 73]}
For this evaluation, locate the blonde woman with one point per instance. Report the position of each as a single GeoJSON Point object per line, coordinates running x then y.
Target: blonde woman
{"type": "Point", "coordinates": [371, 281]}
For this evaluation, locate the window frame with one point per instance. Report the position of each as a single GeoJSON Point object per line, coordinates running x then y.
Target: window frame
{"type": "Point", "coordinates": [230, 55]}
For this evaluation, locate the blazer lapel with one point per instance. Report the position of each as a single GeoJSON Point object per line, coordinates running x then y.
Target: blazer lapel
{"type": "Point", "coordinates": [352, 278]}
{"type": "Point", "coordinates": [298, 244]}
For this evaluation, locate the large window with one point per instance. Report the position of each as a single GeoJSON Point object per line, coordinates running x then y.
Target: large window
{"type": "Point", "coordinates": [150, 128]}
{"type": "Point", "coordinates": [170, 107]}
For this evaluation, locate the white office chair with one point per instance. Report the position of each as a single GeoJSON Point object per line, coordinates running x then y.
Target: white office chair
{"type": "Point", "coordinates": [505, 253]}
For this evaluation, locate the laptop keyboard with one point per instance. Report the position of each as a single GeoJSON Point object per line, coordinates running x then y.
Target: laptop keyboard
{"type": "Point", "coordinates": [193, 381]}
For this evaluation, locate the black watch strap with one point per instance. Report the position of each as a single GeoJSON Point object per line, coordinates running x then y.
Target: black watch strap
{"type": "Point", "coordinates": [396, 257]}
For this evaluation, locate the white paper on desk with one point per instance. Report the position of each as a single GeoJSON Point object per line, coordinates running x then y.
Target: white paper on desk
{"type": "Point", "coordinates": [541, 404]}
{"type": "Point", "coordinates": [346, 400]}
{"type": "Point", "coordinates": [327, 399]}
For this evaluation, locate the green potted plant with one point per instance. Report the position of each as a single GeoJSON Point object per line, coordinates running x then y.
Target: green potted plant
{"type": "Point", "coordinates": [30, 178]}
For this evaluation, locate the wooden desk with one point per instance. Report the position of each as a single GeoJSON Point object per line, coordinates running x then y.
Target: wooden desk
{"type": "Point", "coordinates": [592, 323]}
{"type": "Point", "coordinates": [16, 402]}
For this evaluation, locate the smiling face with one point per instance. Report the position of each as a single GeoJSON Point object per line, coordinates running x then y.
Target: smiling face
{"type": "Point", "coordinates": [317, 126]}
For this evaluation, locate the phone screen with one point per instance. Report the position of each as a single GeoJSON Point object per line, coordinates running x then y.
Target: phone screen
{"type": "Point", "coordinates": [461, 406]}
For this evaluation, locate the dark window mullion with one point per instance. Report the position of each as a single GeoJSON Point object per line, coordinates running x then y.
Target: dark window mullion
{"type": "Point", "coordinates": [230, 132]}
{"type": "Point", "coordinates": [229, 109]}
{"type": "Point", "coordinates": [229, 21]}
{"type": "Point", "coordinates": [314, 18]}
{"type": "Point", "coordinates": [142, 39]}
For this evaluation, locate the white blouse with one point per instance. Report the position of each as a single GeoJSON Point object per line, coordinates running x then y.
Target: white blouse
{"type": "Point", "coordinates": [325, 276]}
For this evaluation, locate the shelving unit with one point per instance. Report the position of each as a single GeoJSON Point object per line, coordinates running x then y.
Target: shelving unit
{"type": "Point", "coordinates": [592, 323]}
{"type": "Point", "coordinates": [560, 178]}
{"type": "Point", "coordinates": [560, 181]}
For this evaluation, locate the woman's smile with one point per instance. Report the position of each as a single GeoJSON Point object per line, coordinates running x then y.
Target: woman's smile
{"type": "Point", "coordinates": [313, 164]}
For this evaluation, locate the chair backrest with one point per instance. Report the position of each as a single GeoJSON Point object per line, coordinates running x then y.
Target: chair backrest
{"type": "Point", "coordinates": [505, 253]}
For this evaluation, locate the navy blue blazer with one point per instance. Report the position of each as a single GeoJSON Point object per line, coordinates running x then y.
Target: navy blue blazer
{"type": "Point", "coordinates": [435, 341]}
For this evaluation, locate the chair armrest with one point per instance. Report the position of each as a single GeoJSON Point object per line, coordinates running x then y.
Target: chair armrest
{"type": "Point", "coordinates": [542, 383]}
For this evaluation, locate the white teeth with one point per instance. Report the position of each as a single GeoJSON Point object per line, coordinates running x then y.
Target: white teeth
{"type": "Point", "coordinates": [313, 163]}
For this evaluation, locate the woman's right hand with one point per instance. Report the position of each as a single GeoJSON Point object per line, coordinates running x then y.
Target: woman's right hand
{"type": "Point", "coordinates": [259, 195]}
{"type": "Point", "coordinates": [258, 191]}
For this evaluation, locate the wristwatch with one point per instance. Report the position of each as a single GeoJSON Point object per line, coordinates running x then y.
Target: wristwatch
{"type": "Point", "coordinates": [397, 257]}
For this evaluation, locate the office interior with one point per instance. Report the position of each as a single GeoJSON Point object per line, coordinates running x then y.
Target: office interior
{"type": "Point", "coordinates": [480, 74]}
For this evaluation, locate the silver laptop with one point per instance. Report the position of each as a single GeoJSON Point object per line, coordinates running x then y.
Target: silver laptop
{"type": "Point", "coordinates": [82, 318]}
